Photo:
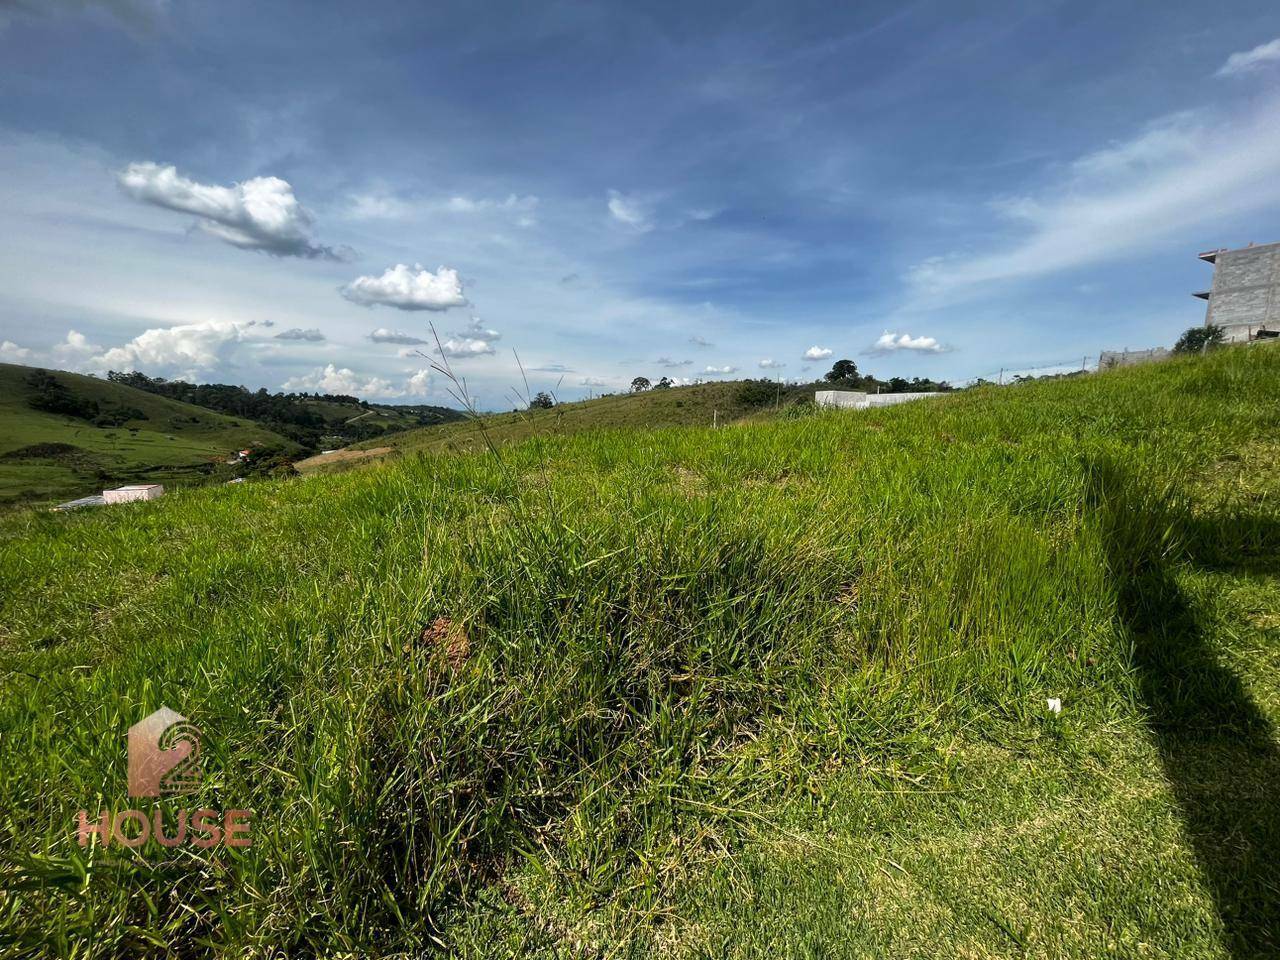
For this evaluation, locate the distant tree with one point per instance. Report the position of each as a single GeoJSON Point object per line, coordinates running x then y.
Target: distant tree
{"type": "Point", "coordinates": [640, 384]}
{"type": "Point", "coordinates": [756, 393]}
{"type": "Point", "coordinates": [1199, 338]}
{"type": "Point", "coordinates": [664, 384]}
{"type": "Point", "coordinates": [898, 385]}
{"type": "Point", "coordinates": [842, 371]}
{"type": "Point", "coordinates": [542, 401]}
{"type": "Point", "coordinates": [52, 396]}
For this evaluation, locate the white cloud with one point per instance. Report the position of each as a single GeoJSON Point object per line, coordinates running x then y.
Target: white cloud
{"type": "Point", "coordinates": [461, 348]}
{"type": "Point", "coordinates": [770, 364]}
{"type": "Point", "coordinates": [10, 352]}
{"type": "Point", "coordinates": [552, 368]}
{"type": "Point", "coordinates": [408, 288]}
{"type": "Point", "coordinates": [74, 349]}
{"type": "Point", "coordinates": [893, 342]}
{"type": "Point", "coordinates": [719, 371]}
{"type": "Point", "coordinates": [312, 335]}
{"type": "Point", "coordinates": [1248, 61]}
{"type": "Point", "coordinates": [816, 353]}
{"type": "Point", "coordinates": [333, 379]}
{"type": "Point", "coordinates": [383, 335]}
{"type": "Point", "coordinates": [390, 206]}
{"type": "Point", "coordinates": [1168, 140]}
{"type": "Point", "coordinates": [630, 211]}
{"type": "Point", "coordinates": [184, 350]}
{"type": "Point", "coordinates": [259, 214]}
{"type": "Point", "coordinates": [1172, 176]}
{"type": "Point", "coordinates": [419, 384]}
{"type": "Point", "coordinates": [377, 206]}
{"type": "Point", "coordinates": [594, 382]}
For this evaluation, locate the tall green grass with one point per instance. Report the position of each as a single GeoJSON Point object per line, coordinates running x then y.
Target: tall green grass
{"type": "Point", "coordinates": [658, 625]}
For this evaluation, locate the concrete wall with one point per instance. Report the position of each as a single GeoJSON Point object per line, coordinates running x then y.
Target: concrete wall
{"type": "Point", "coordinates": [1246, 291]}
{"type": "Point", "coordinates": [1127, 358]}
{"type": "Point", "coordinates": [848, 399]}
{"type": "Point", "coordinates": [889, 399]}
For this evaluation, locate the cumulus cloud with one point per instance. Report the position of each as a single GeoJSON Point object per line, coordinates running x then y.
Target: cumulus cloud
{"type": "Point", "coordinates": [698, 341]}
{"type": "Point", "coordinates": [74, 349]}
{"type": "Point", "coordinates": [408, 288]}
{"type": "Point", "coordinates": [629, 211]}
{"type": "Point", "coordinates": [462, 348]}
{"type": "Point", "coordinates": [312, 335]}
{"type": "Point", "coordinates": [383, 335]}
{"type": "Point", "coordinates": [258, 214]}
{"type": "Point", "coordinates": [1248, 61]}
{"type": "Point", "coordinates": [893, 342]}
{"type": "Point", "coordinates": [817, 353]}
{"type": "Point", "coordinates": [184, 350]}
{"type": "Point", "coordinates": [770, 364]}
{"type": "Point", "coordinates": [719, 371]}
{"type": "Point", "coordinates": [594, 382]}
{"type": "Point", "coordinates": [334, 379]}
{"type": "Point", "coordinates": [672, 364]}
{"type": "Point", "coordinates": [10, 352]}
{"type": "Point", "coordinates": [419, 382]}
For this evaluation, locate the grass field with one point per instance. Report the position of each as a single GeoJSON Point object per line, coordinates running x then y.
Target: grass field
{"type": "Point", "coordinates": [772, 690]}
{"type": "Point", "coordinates": [46, 456]}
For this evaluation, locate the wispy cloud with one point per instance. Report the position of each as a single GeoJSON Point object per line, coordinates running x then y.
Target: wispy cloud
{"type": "Point", "coordinates": [312, 335]}
{"type": "Point", "coordinates": [383, 335]}
{"type": "Point", "coordinates": [1247, 61]}
{"type": "Point", "coordinates": [1171, 176]}
{"type": "Point", "coordinates": [630, 211]}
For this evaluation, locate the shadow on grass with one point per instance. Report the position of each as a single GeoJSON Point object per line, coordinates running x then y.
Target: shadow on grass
{"type": "Point", "coordinates": [1218, 748]}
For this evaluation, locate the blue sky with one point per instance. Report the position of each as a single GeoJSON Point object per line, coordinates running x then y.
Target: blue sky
{"type": "Point", "coordinates": [287, 194]}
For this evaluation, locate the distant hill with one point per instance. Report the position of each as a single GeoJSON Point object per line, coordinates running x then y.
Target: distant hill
{"type": "Point", "coordinates": [315, 421]}
{"type": "Point", "coordinates": [89, 432]}
{"type": "Point", "coordinates": [698, 405]}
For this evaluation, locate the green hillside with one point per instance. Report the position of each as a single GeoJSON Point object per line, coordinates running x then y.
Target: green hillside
{"type": "Point", "coordinates": [46, 456]}
{"type": "Point", "coordinates": [780, 690]}
{"type": "Point", "coordinates": [314, 421]}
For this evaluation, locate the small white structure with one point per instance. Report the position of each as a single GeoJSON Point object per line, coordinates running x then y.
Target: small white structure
{"type": "Point", "coordinates": [848, 399]}
{"type": "Point", "coordinates": [135, 491]}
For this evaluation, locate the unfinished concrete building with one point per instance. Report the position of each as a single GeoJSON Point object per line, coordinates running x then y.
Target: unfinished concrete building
{"type": "Point", "coordinates": [1245, 297]}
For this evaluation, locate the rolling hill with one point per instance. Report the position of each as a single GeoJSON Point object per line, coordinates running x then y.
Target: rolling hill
{"type": "Point", "coordinates": [698, 405]}
{"type": "Point", "coordinates": [138, 436]}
